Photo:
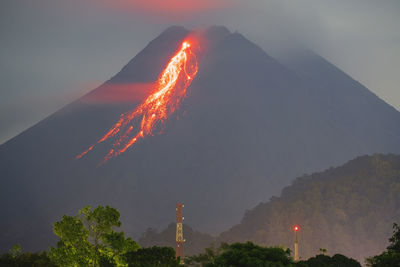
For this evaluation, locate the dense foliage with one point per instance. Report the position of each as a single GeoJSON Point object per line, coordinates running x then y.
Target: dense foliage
{"type": "Point", "coordinates": [327, 261]}
{"type": "Point", "coordinates": [152, 257]}
{"type": "Point", "coordinates": [251, 255]}
{"type": "Point", "coordinates": [27, 259]}
{"type": "Point", "coordinates": [242, 255]}
{"type": "Point", "coordinates": [143, 257]}
{"type": "Point", "coordinates": [89, 239]}
{"type": "Point", "coordinates": [345, 210]}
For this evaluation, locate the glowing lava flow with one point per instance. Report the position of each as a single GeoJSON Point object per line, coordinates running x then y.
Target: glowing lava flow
{"type": "Point", "coordinates": [151, 115]}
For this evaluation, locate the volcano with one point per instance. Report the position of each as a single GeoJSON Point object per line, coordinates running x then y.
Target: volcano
{"type": "Point", "coordinates": [246, 125]}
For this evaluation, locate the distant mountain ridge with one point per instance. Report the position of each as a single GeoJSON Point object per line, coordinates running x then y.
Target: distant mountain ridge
{"type": "Point", "coordinates": [349, 209]}
{"type": "Point", "coordinates": [248, 125]}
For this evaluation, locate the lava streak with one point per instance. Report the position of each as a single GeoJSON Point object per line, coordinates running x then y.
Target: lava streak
{"type": "Point", "coordinates": [150, 116]}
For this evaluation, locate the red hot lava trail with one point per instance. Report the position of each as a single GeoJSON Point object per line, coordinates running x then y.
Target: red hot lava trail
{"type": "Point", "coordinates": [151, 115]}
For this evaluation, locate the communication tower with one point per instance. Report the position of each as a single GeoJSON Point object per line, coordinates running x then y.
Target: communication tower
{"type": "Point", "coordinates": [179, 233]}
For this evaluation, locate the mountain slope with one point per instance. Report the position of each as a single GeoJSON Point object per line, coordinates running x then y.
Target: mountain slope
{"type": "Point", "coordinates": [351, 102]}
{"type": "Point", "coordinates": [247, 125]}
{"type": "Point", "coordinates": [348, 209]}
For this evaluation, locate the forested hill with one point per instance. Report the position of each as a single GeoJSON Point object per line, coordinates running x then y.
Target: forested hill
{"type": "Point", "coordinates": [348, 209]}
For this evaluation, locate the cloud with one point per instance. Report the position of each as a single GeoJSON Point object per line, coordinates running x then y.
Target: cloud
{"type": "Point", "coordinates": [170, 8]}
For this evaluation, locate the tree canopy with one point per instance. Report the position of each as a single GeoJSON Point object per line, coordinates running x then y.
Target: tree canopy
{"type": "Point", "coordinates": [90, 239]}
{"type": "Point", "coordinates": [152, 257]}
{"type": "Point", "coordinates": [26, 259]}
{"type": "Point", "coordinates": [251, 255]}
{"type": "Point", "coordinates": [327, 261]}
{"type": "Point", "coordinates": [243, 255]}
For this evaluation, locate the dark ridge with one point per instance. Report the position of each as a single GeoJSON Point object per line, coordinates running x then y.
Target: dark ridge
{"type": "Point", "coordinates": [173, 30]}
{"type": "Point", "coordinates": [217, 31]}
{"type": "Point", "coordinates": [147, 65]}
{"type": "Point", "coordinates": [214, 35]}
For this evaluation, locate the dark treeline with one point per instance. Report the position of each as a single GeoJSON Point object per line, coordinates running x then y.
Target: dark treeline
{"type": "Point", "coordinates": [251, 255]}
{"type": "Point", "coordinates": [91, 239]}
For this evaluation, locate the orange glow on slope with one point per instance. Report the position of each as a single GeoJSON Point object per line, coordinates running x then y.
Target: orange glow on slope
{"type": "Point", "coordinates": [150, 116]}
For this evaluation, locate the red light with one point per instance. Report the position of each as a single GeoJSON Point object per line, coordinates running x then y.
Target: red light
{"type": "Point", "coordinates": [296, 228]}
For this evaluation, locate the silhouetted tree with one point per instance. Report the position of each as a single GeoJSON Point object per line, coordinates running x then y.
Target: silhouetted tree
{"type": "Point", "coordinates": [327, 261]}
{"type": "Point", "coordinates": [206, 258]}
{"type": "Point", "coordinates": [17, 258]}
{"type": "Point", "coordinates": [390, 257]}
{"type": "Point", "coordinates": [243, 255]}
{"type": "Point", "coordinates": [152, 257]}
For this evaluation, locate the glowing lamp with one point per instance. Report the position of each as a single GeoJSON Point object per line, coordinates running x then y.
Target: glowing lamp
{"type": "Point", "coordinates": [296, 228]}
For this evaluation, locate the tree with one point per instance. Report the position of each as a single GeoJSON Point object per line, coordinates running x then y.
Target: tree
{"type": "Point", "coordinates": [89, 239]}
{"type": "Point", "coordinates": [206, 258]}
{"type": "Point", "coordinates": [390, 257]}
{"type": "Point", "coordinates": [152, 257]}
{"type": "Point", "coordinates": [245, 255]}
{"type": "Point", "coordinates": [17, 258]}
{"type": "Point", "coordinates": [395, 239]}
{"type": "Point", "coordinates": [327, 261]}
{"type": "Point", "coordinates": [16, 250]}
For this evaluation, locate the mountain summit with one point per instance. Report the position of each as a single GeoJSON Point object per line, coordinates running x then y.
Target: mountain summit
{"type": "Point", "coordinates": [247, 124]}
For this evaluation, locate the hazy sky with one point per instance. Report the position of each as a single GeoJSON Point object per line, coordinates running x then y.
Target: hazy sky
{"type": "Point", "coordinates": [53, 51]}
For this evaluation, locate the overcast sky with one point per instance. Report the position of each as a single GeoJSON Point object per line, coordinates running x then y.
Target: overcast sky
{"type": "Point", "coordinates": [53, 51]}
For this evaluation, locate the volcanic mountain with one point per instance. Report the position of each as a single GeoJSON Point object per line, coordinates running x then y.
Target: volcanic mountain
{"type": "Point", "coordinates": [245, 125]}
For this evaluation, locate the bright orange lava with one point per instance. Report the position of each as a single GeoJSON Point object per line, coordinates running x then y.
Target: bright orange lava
{"type": "Point", "coordinates": [150, 116]}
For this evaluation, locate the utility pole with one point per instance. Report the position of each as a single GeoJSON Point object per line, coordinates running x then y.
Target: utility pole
{"type": "Point", "coordinates": [179, 233]}
{"type": "Point", "coordinates": [296, 243]}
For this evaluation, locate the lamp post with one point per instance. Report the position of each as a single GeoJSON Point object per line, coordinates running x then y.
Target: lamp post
{"type": "Point", "coordinates": [296, 243]}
